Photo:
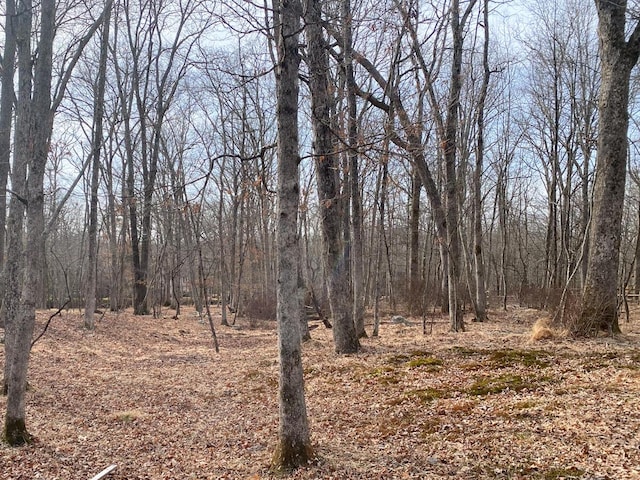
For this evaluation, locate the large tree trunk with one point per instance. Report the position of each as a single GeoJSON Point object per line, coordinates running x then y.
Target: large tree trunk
{"type": "Point", "coordinates": [294, 444]}
{"type": "Point", "coordinates": [36, 134]}
{"type": "Point", "coordinates": [617, 57]}
{"type": "Point", "coordinates": [327, 172]}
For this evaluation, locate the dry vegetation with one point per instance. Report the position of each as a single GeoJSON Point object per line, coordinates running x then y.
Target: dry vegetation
{"type": "Point", "coordinates": [154, 398]}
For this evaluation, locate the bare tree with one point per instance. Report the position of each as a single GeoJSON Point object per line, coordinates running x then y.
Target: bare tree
{"type": "Point", "coordinates": [294, 445]}
{"type": "Point", "coordinates": [357, 264]}
{"type": "Point", "coordinates": [328, 177]}
{"type": "Point", "coordinates": [33, 156]}
{"type": "Point", "coordinates": [7, 96]}
{"type": "Point", "coordinates": [480, 282]}
{"type": "Point", "coordinates": [618, 56]}
{"type": "Point", "coordinates": [24, 270]}
{"type": "Point", "coordinates": [96, 148]}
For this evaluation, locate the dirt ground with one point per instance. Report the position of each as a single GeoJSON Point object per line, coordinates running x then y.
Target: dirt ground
{"type": "Point", "coordinates": [153, 397]}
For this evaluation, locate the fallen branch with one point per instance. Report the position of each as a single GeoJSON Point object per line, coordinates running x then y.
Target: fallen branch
{"type": "Point", "coordinates": [44, 330]}
{"type": "Point", "coordinates": [104, 472]}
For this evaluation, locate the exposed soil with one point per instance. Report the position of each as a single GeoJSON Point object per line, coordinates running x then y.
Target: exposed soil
{"type": "Point", "coordinates": [153, 397]}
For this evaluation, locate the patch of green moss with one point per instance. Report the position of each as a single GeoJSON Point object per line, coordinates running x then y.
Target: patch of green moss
{"type": "Point", "coordinates": [15, 433]}
{"type": "Point", "coordinates": [593, 366]}
{"type": "Point", "coordinates": [389, 380]}
{"type": "Point", "coordinates": [563, 473]}
{"type": "Point", "coordinates": [415, 359]}
{"type": "Point", "coordinates": [492, 385]}
{"type": "Point", "coordinates": [527, 358]}
{"type": "Point", "coordinates": [530, 473]}
{"type": "Point", "coordinates": [472, 366]}
{"type": "Point", "coordinates": [432, 362]}
{"type": "Point", "coordinates": [288, 457]}
{"type": "Point", "coordinates": [398, 359]}
{"type": "Point", "coordinates": [128, 416]}
{"type": "Point", "coordinates": [425, 395]}
{"type": "Point", "coordinates": [505, 358]}
{"type": "Point", "coordinates": [385, 375]}
{"type": "Point", "coordinates": [467, 352]}
{"type": "Point", "coordinates": [381, 371]}
{"type": "Point", "coordinates": [524, 404]}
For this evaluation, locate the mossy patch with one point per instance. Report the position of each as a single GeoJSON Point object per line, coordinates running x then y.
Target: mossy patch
{"type": "Point", "coordinates": [426, 395]}
{"type": "Point", "coordinates": [128, 416]}
{"type": "Point", "coordinates": [531, 473]}
{"type": "Point", "coordinates": [503, 358]}
{"type": "Point", "coordinates": [527, 358]}
{"type": "Point", "coordinates": [563, 473]}
{"type": "Point", "coordinates": [423, 395]}
{"type": "Point", "coordinates": [385, 375]}
{"type": "Point", "coordinates": [467, 352]}
{"type": "Point", "coordinates": [416, 359]}
{"type": "Point", "coordinates": [432, 363]}
{"type": "Point", "coordinates": [501, 383]}
{"type": "Point", "coordinates": [525, 404]}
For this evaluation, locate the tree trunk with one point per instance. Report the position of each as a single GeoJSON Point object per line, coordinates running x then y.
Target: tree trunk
{"type": "Point", "coordinates": [36, 134]}
{"type": "Point", "coordinates": [7, 96]}
{"type": "Point", "coordinates": [23, 150]}
{"type": "Point", "coordinates": [382, 187]}
{"type": "Point", "coordinates": [96, 147]}
{"type": "Point", "coordinates": [449, 140]}
{"type": "Point", "coordinates": [327, 174]}
{"type": "Point", "coordinates": [357, 258]}
{"type": "Point", "coordinates": [415, 284]}
{"type": "Point", "coordinates": [294, 445]}
{"type": "Point", "coordinates": [617, 57]}
{"type": "Point", "coordinates": [480, 283]}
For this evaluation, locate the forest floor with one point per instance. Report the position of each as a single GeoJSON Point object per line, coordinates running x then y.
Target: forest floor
{"type": "Point", "coordinates": [153, 397]}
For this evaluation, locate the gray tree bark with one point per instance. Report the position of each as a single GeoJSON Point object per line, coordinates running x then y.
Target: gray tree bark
{"type": "Point", "coordinates": [7, 96]}
{"type": "Point", "coordinates": [415, 277]}
{"type": "Point", "coordinates": [480, 282]}
{"type": "Point", "coordinates": [38, 125]}
{"type": "Point", "coordinates": [618, 56]}
{"type": "Point", "coordinates": [14, 267]}
{"type": "Point", "coordinates": [294, 444]}
{"type": "Point", "coordinates": [357, 258]}
{"type": "Point", "coordinates": [327, 174]}
{"type": "Point", "coordinates": [35, 110]}
{"type": "Point", "coordinates": [96, 148]}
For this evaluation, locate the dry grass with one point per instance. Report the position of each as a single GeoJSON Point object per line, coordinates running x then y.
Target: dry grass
{"type": "Point", "coordinates": [542, 330]}
{"type": "Point", "coordinates": [153, 397]}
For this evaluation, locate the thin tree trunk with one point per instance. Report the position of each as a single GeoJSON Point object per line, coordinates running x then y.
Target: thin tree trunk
{"type": "Point", "coordinates": [357, 258]}
{"type": "Point", "coordinates": [382, 180]}
{"type": "Point", "coordinates": [415, 283]}
{"type": "Point", "coordinates": [23, 150]}
{"type": "Point", "coordinates": [96, 147]}
{"type": "Point", "coordinates": [480, 282]}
